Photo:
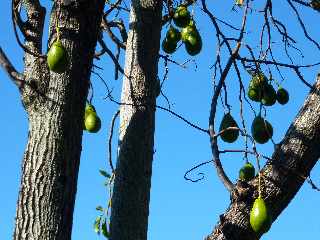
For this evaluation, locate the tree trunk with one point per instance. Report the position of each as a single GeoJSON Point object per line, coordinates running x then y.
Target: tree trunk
{"type": "Point", "coordinates": [55, 105]}
{"type": "Point", "coordinates": [130, 202]}
{"type": "Point", "coordinates": [282, 177]}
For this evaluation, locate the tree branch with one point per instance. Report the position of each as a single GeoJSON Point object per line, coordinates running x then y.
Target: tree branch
{"type": "Point", "coordinates": [16, 77]}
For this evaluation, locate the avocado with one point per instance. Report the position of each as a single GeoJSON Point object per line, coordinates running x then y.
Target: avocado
{"type": "Point", "coordinates": [247, 172]}
{"type": "Point", "coordinates": [282, 96]}
{"type": "Point", "coordinates": [260, 218]}
{"type": "Point", "coordinates": [261, 130]}
{"type": "Point", "coordinates": [269, 96]}
{"type": "Point", "coordinates": [229, 136]}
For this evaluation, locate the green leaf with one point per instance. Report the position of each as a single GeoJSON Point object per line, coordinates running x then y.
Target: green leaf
{"type": "Point", "coordinates": [96, 225]}
{"type": "Point", "coordinates": [104, 173]}
{"type": "Point", "coordinates": [99, 208]}
{"type": "Point", "coordinates": [104, 229]}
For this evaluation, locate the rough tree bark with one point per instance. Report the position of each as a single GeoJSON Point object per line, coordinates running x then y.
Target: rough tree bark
{"type": "Point", "coordinates": [282, 177]}
{"type": "Point", "coordinates": [130, 202]}
{"type": "Point", "coordinates": [54, 104]}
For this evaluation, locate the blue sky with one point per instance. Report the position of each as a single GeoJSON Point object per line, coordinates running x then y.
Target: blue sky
{"type": "Point", "coordinates": [178, 209]}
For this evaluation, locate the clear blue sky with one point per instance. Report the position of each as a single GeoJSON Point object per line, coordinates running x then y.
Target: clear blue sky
{"type": "Point", "coordinates": [178, 209]}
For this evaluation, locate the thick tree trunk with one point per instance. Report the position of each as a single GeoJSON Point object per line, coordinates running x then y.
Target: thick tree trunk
{"type": "Point", "coordinates": [282, 177]}
{"type": "Point", "coordinates": [130, 202]}
{"type": "Point", "coordinates": [55, 105]}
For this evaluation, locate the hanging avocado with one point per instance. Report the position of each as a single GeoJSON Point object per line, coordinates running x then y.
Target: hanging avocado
{"type": "Point", "coordinates": [181, 17]}
{"type": "Point", "coordinates": [282, 96]}
{"type": "Point", "coordinates": [57, 57]}
{"type": "Point", "coordinates": [254, 94]}
{"type": "Point", "coordinates": [187, 31]}
{"type": "Point", "coordinates": [256, 86]}
{"type": "Point", "coordinates": [261, 130]}
{"type": "Point", "coordinates": [247, 172]}
{"type": "Point", "coordinates": [169, 46]}
{"type": "Point", "coordinates": [173, 35]}
{"type": "Point", "coordinates": [193, 44]}
{"type": "Point", "coordinates": [229, 135]}
{"type": "Point", "coordinates": [269, 96]}
{"type": "Point", "coordinates": [260, 218]}
{"type": "Point", "coordinates": [92, 122]}
{"type": "Point", "coordinates": [259, 80]}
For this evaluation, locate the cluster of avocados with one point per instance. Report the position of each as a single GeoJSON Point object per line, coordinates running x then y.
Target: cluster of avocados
{"type": "Point", "coordinates": [189, 34]}
{"type": "Point", "coordinates": [92, 122]}
{"type": "Point", "coordinates": [57, 57]}
{"type": "Point", "coordinates": [262, 91]}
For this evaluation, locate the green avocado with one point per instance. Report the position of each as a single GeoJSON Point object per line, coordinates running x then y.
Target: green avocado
{"type": "Point", "coordinates": [255, 94]}
{"type": "Point", "coordinates": [260, 218]}
{"type": "Point", "coordinates": [187, 31]}
{"type": "Point", "coordinates": [269, 95]}
{"type": "Point", "coordinates": [247, 172]}
{"type": "Point", "coordinates": [173, 35]}
{"type": "Point", "coordinates": [193, 44]}
{"type": "Point", "coordinates": [261, 130]}
{"type": "Point", "coordinates": [229, 136]}
{"type": "Point", "coordinates": [282, 96]}
{"type": "Point", "coordinates": [92, 122]}
{"type": "Point", "coordinates": [181, 17]}
{"type": "Point", "coordinates": [256, 86]}
{"type": "Point", "coordinates": [57, 57]}
{"type": "Point", "coordinates": [258, 80]}
{"type": "Point", "coordinates": [169, 46]}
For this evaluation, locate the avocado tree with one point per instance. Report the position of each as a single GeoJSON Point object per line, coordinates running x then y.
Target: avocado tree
{"type": "Point", "coordinates": [54, 88]}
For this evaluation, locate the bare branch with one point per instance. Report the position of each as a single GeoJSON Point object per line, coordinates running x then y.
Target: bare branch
{"type": "Point", "coordinates": [120, 25]}
{"type": "Point", "coordinates": [16, 77]}
{"type": "Point", "coordinates": [109, 52]}
{"type": "Point", "coordinates": [166, 110]}
{"type": "Point", "coordinates": [302, 25]}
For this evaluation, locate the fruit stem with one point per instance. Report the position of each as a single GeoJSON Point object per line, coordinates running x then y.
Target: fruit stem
{"type": "Point", "coordinates": [259, 177]}
{"type": "Point", "coordinates": [259, 185]}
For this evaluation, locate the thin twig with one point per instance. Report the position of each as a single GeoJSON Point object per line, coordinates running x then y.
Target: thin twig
{"type": "Point", "coordinates": [110, 139]}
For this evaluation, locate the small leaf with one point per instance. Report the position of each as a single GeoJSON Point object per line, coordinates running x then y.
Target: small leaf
{"type": "Point", "coordinates": [99, 208]}
{"type": "Point", "coordinates": [96, 225]}
{"type": "Point", "coordinates": [104, 229]}
{"type": "Point", "coordinates": [104, 173]}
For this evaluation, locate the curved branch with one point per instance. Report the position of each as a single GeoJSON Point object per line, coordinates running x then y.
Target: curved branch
{"type": "Point", "coordinates": [16, 77]}
{"type": "Point", "coordinates": [192, 169]}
